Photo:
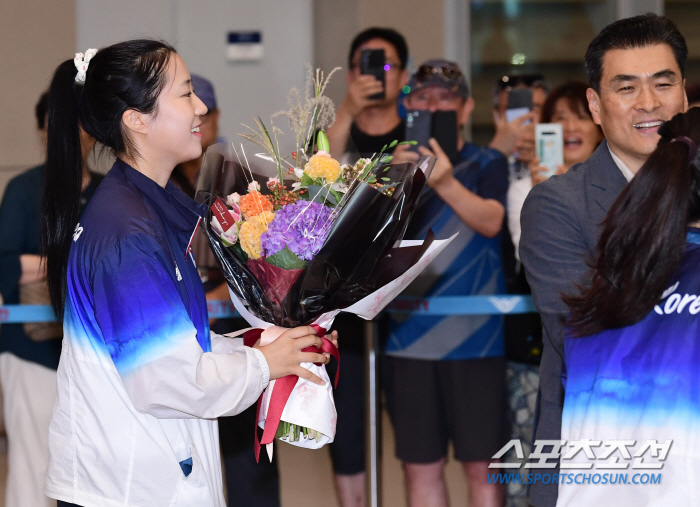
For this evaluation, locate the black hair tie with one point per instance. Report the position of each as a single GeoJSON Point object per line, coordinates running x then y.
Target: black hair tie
{"type": "Point", "coordinates": [692, 147]}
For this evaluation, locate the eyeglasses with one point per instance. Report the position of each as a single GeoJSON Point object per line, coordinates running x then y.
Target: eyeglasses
{"type": "Point", "coordinates": [448, 73]}
{"type": "Point", "coordinates": [519, 79]}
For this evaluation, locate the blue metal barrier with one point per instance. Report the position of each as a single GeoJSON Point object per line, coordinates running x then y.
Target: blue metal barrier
{"type": "Point", "coordinates": [449, 305]}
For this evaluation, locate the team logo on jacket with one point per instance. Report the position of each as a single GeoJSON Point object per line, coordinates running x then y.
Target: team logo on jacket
{"type": "Point", "coordinates": [505, 305]}
{"type": "Point", "coordinates": [77, 232]}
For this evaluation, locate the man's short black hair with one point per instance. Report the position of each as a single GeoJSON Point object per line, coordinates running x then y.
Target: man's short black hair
{"type": "Point", "coordinates": [41, 110]}
{"type": "Point", "coordinates": [387, 34]}
{"type": "Point", "coordinates": [636, 32]}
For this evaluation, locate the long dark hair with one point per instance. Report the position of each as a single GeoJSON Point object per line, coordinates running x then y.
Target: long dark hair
{"type": "Point", "coordinates": [128, 75]}
{"type": "Point", "coordinates": [644, 234]}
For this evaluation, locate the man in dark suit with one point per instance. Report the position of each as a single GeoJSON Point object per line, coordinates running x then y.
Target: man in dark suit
{"type": "Point", "coordinates": [636, 69]}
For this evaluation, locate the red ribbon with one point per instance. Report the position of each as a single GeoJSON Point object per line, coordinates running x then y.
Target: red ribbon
{"type": "Point", "coordinates": [284, 386]}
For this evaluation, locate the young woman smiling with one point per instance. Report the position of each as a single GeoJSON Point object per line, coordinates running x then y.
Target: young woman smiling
{"type": "Point", "coordinates": [141, 379]}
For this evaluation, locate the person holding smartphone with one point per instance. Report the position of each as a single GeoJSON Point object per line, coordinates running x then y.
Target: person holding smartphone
{"type": "Point", "coordinates": [369, 118]}
{"type": "Point", "coordinates": [515, 119]}
{"type": "Point", "coordinates": [445, 376]}
{"type": "Point", "coordinates": [566, 105]}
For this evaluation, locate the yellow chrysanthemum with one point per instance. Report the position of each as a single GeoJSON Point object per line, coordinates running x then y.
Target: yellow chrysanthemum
{"type": "Point", "coordinates": [250, 233]}
{"type": "Point", "coordinates": [323, 166]}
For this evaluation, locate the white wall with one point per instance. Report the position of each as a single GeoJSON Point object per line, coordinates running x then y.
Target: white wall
{"type": "Point", "coordinates": [35, 36]}
{"type": "Point", "coordinates": [198, 30]}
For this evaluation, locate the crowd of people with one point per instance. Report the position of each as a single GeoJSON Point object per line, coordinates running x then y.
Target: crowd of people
{"type": "Point", "coordinates": [91, 411]}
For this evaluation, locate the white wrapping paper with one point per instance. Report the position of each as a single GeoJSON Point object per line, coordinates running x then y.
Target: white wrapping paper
{"type": "Point", "coordinates": [312, 405]}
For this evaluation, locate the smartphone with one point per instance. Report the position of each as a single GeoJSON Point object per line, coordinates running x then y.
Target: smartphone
{"type": "Point", "coordinates": [421, 125]}
{"type": "Point", "coordinates": [549, 143]}
{"type": "Point", "coordinates": [418, 128]}
{"type": "Point", "coordinates": [519, 103]}
{"type": "Point", "coordinates": [372, 62]}
{"type": "Point", "coordinates": [444, 131]}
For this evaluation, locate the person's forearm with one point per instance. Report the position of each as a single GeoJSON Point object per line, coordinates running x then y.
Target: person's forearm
{"type": "Point", "coordinates": [503, 143]}
{"type": "Point", "coordinates": [339, 132]}
{"type": "Point", "coordinates": [32, 269]}
{"type": "Point", "coordinates": [485, 216]}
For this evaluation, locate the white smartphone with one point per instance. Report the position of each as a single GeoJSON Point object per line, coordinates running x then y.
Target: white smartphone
{"type": "Point", "coordinates": [549, 142]}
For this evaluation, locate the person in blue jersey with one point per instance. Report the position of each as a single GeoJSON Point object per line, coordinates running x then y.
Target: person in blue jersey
{"type": "Point", "coordinates": [445, 376]}
{"type": "Point", "coordinates": [141, 379]}
{"type": "Point", "coordinates": [631, 350]}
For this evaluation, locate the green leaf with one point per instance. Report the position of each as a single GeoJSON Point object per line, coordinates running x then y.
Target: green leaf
{"type": "Point", "coordinates": [286, 259]}
{"type": "Point", "coordinates": [323, 195]}
{"type": "Point", "coordinates": [238, 252]}
{"type": "Point", "coordinates": [338, 195]}
{"type": "Point", "coordinates": [386, 179]}
{"type": "Point", "coordinates": [393, 143]}
{"type": "Point", "coordinates": [385, 169]}
{"type": "Point", "coordinates": [413, 143]}
{"type": "Point", "coordinates": [322, 142]}
{"type": "Point", "coordinates": [306, 180]}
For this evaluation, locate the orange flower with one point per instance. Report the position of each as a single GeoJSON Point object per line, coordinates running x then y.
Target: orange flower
{"type": "Point", "coordinates": [254, 203]}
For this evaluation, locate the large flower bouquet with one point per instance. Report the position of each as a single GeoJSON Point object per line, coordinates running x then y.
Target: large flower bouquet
{"type": "Point", "coordinates": [316, 239]}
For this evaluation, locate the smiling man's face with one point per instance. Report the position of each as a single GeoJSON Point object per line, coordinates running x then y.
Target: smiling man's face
{"type": "Point", "coordinates": [640, 88]}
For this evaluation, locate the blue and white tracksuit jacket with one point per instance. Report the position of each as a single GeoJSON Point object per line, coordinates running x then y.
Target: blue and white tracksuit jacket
{"type": "Point", "coordinates": [140, 380]}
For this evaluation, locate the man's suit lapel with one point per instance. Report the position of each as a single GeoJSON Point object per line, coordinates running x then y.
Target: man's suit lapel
{"type": "Point", "coordinates": [605, 176]}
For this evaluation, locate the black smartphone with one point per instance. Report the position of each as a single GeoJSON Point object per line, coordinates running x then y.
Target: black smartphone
{"type": "Point", "coordinates": [372, 62]}
{"type": "Point", "coordinates": [444, 131]}
{"type": "Point", "coordinates": [519, 103]}
{"type": "Point", "coordinates": [418, 128]}
{"type": "Point", "coordinates": [421, 125]}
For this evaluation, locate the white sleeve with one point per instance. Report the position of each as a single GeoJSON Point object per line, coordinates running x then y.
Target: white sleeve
{"type": "Point", "coordinates": [154, 346]}
{"type": "Point", "coordinates": [515, 198]}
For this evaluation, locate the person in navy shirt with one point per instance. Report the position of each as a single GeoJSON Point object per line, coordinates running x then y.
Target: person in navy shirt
{"type": "Point", "coordinates": [445, 375]}
{"type": "Point", "coordinates": [141, 379]}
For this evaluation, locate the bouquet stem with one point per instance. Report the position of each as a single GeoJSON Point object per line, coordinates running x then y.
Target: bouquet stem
{"type": "Point", "coordinates": [293, 433]}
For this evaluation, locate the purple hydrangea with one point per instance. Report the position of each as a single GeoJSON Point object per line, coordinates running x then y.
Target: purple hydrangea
{"type": "Point", "coordinates": [302, 226]}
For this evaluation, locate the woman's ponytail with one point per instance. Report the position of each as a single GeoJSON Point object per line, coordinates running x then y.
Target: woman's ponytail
{"type": "Point", "coordinates": [63, 180]}
{"type": "Point", "coordinates": [644, 234]}
{"type": "Point", "coordinates": [123, 76]}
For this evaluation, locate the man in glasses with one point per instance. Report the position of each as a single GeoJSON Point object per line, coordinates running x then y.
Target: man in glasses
{"type": "Point", "coordinates": [363, 125]}
{"type": "Point", "coordinates": [445, 375]}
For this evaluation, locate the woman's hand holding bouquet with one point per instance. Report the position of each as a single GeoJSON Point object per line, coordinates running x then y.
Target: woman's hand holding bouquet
{"type": "Point", "coordinates": [284, 355]}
